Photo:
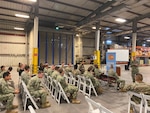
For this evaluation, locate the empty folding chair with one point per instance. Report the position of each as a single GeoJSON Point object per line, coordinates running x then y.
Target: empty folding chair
{"type": "Point", "coordinates": [146, 102]}
{"type": "Point", "coordinates": [132, 102]}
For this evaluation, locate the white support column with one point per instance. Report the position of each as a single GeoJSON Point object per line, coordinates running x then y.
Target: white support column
{"type": "Point", "coordinates": [134, 36]}
{"type": "Point", "coordinates": [97, 39]}
{"type": "Point", "coordinates": [35, 39]}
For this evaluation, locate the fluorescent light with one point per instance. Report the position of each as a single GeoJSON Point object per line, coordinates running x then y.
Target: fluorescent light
{"type": "Point", "coordinates": [121, 20]}
{"type": "Point", "coordinates": [33, 0]}
{"type": "Point", "coordinates": [93, 27]}
{"type": "Point", "coordinates": [22, 16]}
{"type": "Point", "coordinates": [18, 28]}
{"type": "Point", "coordinates": [126, 37]}
{"type": "Point", "coordinates": [148, 40]}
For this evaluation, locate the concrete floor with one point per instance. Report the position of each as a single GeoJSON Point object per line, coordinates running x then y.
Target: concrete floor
{"type": "Point", "coordinates": [115, 101]}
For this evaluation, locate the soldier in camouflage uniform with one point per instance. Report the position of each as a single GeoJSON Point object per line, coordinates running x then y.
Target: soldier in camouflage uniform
{"type": "Point", "coordinates": [97, 72]}
{"type": "Point", "coordinates": [25, 76]}
{"type": "Point", "coordinates": [2, 71]}
{"type": "Point", "coordinates": [81, 67]}
{"type": "Point", "coordinates": [46, 67]}
{"type": "Point", "coordinates": [135, 69]}
{"type": "Point", "coordinates": [68, 68]}
{"type": "Point", "coordinates": [37, 90]}
{"type": "Point", "coordinates": [7, 93]}
{"type": "Point", "coordinates": [70, 90]}
{"type": "Point", "coordinates": [139, 87]}
{"type": "Point", "coordinates": [55, 73]}
{"type": "Point", "coordinates": [51, 70]}
{"type": "Point", "coordinates": [95, 81]}
{"type": "Point", "coordinates": [112, 73]}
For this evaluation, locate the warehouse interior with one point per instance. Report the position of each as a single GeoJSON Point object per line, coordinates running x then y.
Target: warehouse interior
{"type": "Point", "coordinates": [67, 33]}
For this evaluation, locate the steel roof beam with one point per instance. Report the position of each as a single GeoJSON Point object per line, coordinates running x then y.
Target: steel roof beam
{"type": "Point", "coordinates": [100, 15]}
{"type": "Point", "coordinates": [61, 12]}
{"type": "Point", "coordinates": [98, 10]}
{"type": "Point", "coordinates": [96, 1]}
{"type": "Point", "coordinates": [70, 5]}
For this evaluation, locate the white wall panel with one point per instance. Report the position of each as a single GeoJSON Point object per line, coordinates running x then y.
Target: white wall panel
{"type": "Point", "coordinates": [12, 49]}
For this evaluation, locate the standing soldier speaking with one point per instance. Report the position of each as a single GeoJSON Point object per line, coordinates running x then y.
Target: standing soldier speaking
{"type": "Point", "coordinates": [135, 69]}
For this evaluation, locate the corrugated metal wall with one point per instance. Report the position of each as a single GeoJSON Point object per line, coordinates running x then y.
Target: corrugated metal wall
{"type": "Point", "coordinates": [55, 48]}
{"type": "Point", "coordinates": [12, 49]}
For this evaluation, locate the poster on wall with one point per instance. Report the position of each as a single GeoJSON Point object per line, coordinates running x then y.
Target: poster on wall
{"type": "Point", "coordinates": [110, 60]}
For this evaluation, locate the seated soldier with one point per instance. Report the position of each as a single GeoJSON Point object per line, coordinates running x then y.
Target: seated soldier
{"type": "Point", "coordinates": [112, 73]}
{"type": "Point", "coordinates": [95, 81]}
{"type": "Point", "coordinates": [51, 70]}
{"type": "Point", "coordinates": [69, 68]}
{"type": "Point", "coordinates": [2, 71]}
{"type": "Point", "coordinates": [81, 67]}
{"type": "Point", "coordinates": [25, 76]}
{"type": "Point", "coordinates": [70, 90]}
{"type": "Point", "coordinates": [37, 90]}
{"type": "Point", "coordinates": [7, 93]}
{"type": "Point", "coordinates": [55, 73]}
{"type": "Point", "coordinates": [97, 72]}
{"type": "Point", "coordinates": [139, 87]}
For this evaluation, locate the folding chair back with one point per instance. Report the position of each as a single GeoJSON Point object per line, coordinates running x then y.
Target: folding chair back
{"type": "Point", "coordinates": [132, 102]}
{"type": "Point", "coordinates": [60, 93]}
{"type": "Point", "coordinates": [81, 84]}
{"type": "Point", "coordinates": [95, 107]}
{"type": "Point", "coordinates": [26, 95]}
{"type": "Point", "coordinates": [31, 109]}
{"type": "Point", "coordinates": [146, 103]}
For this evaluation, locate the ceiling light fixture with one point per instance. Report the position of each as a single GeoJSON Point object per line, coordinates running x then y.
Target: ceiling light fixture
{"type": "Point", "coordinates": [33, 0]}
{"type": "Point", "coordinates": [22, 16]}
{"type": "Point", "coordinates": [127, 37]}
{"type": "Point", "coordinates": [148, 40]}
{"type": "Point", "coordinates": [93, 27]}
{"type": "Point", "coordinates": [121, 20]}
{"type": "Point", "coordinates": [18, 28]}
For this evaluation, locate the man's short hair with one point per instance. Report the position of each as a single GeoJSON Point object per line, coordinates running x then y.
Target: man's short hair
{"type": "Point", "coordinates": [6, 74]}
{"type": "Point", "coordinates": [2, 66]}
{"type": "Point", "coordinates": [39, 72]}
{"type": "Point", "coordinates": [140, 76]}
{"type": "Point", "coordinates": [27, 67]}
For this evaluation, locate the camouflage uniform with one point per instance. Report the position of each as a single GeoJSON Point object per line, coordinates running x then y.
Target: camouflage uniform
{"type": "Point", "coordinates": [36, 89]}
{"type": "Point", "coordinates": [76, 72]}
{"type": "Point", "coordinates": [68, 69]}
{"type": "Point", "coordinates": [45, 70]}
{"type": "Point", "coordinates": [82, 68]}
{"type": "Point", "coordinates": [1, 74]}
{"type": "Point", "coordinates": [97, 73]}
{"type": "Point", "coordinates": [135, 69]}
{"type": "Point", "coordinates": [6, 93]}
{"type": "Point", "coordinates": [70, 90]}
{"type": "Point", "coordinates": [25, 77]}
{"type": "Point", "coordinates": [112, 73]}
{"type": "Point", "coordinates": [95, 81]}
{"type": "Point", "coordinates": [55, 74]}
{"type": "Point", "coordinates": [49, 72]}
{"type": "Point", "coordinates": [138, 87]}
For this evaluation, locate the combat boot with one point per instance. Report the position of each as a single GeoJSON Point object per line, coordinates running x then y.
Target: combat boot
{"type": "Point", "coordinates": [11, 111]}
{"type": "Point", "coordinates": [46, 105]}
{"type": "Point", "coordinates": [14, 106]}
{"type": "Point", "coordinates": [131, 110]}
{"type": "Point", "coordinates": [99, 90]}
{"type": "Point", "coordinates": [75, 101]}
